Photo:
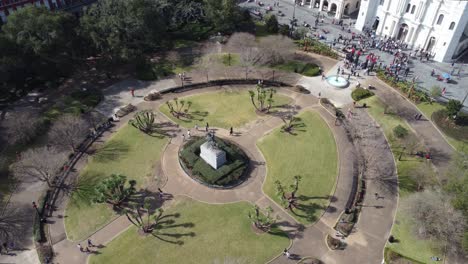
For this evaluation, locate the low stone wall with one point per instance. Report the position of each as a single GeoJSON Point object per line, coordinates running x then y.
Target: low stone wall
{"type": "Point", "coordinates": [188, 87]}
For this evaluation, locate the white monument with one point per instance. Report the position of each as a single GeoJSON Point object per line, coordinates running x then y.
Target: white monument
{"type": "Point", "coordinates": [211, 154]}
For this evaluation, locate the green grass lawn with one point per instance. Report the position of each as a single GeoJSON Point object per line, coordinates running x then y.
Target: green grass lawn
{"type": "Point", "coordinates": [307, 69]}
{"type": "Point", "coordinates": [428, 109]}
{"type": "Point", "coordinates": [129, 152]}
{"type": "Point", "coordinates": [222, 109]}
{"type": "Point", "coordinates": [312, 154]}
{"type": "Point", "coordinates": [409, 246]}
{"type": "Point", "coordinates": [219, 232]}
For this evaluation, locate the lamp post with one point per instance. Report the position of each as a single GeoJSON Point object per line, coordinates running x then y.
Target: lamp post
{"type": "Point", "coordinates": [37, 211]}
{"type": "Point", "coordinates": [293, 20]}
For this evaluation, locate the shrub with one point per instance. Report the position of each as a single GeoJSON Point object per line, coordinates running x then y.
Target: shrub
{"type": "Point", "coordinates": [400, 131]}
{"type": "Point", "coordinates": [284, 30]}
{"type": "Point", "coordinates": [301, 89]}
{"type": "Point", "coordinates": [152, 96]}
{"type": "Point", "coordinates": [452, 108]}
{"type": "Point", "coordinates": [361, 93]}
{"type": "Point", "coordinates": [334, 243]}
{"type": "Point", "coordinates": [230, 173]}
{"type": "Point", "coordinates": [436, 91]}
{"type": "Point", "coordinates": [88, 97]}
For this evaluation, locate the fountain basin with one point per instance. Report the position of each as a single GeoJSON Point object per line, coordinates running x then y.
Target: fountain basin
{"type": "Point", "coordinates": [337, 81]}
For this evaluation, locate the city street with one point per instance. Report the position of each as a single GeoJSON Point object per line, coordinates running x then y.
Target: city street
{"type": "Point", "coordinates": [457, 89]}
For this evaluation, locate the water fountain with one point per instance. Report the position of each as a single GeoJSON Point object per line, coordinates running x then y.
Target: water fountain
{"type": "Point", "coordinates": [337, 81]}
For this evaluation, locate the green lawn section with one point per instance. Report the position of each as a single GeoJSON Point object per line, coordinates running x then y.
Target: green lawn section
{"type": "Point", "coordinates": [428, 109]}
{"type": "Point", "coordinates": [129, 152]}
{"type": "Point", "coordinates": [304, 68]}
{"type": "Point", "coordinates": [312, 154]}
{"type": "Point", "coordinates": [409, 245]}
{"type": "Point", "coordinates": [222, 109]}
{"type": "Point", "coordinates": [219, 232]}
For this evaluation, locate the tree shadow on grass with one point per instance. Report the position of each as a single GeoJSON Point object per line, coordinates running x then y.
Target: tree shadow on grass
{"type": "Point", "coordinates": [111, 151]}
{"type": "Point", "coordinates": [287, 229]}
{"type": "Point", "coordinates": [168, 230]}
{"type": "Point", "coordinates": [307, 211]}
{"type": "Point", "coordinates": [193, 116]}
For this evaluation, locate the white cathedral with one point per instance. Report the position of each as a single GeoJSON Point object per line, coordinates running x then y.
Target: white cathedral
{"type": "Point", "coordinates": [439, 27]}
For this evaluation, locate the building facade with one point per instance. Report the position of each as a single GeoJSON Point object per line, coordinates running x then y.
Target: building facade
{"type": "Point", "coordinates": [9, 6]}
{"type": "Point", "coordinates": [336, 7]}
{"type": "Point", "coordinates": [439, 27]}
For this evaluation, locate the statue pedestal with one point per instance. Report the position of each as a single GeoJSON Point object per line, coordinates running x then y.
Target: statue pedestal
{"type": "Point", "coordinates": [212, 155]}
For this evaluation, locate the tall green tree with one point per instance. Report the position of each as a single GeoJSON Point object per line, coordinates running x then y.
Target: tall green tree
{"type": "Point", "coordinates": [223, 14]}
{"type": "Point", "coordinates": [125, 29]}
{"type": "Point", "coordinates": [272, 25]}
{"type": "Point", "coordinates": [42, 32]}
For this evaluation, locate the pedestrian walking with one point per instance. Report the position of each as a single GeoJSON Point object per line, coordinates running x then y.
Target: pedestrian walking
{"type": "Point", "coordinates": [5, 247]}
{"type": "Point", "coordinates": [80, 247]}
{"type": "Point", "coordinates": [196, 127]}
{"type": "Point", "coordinates": [231, 131]}
{"type": "Point", "coordinates": [132, 91]}
{"type": "Point", "coordinates": [90, 243]}
{"type": "Point", "coordinates": [159, 190]}
{"type": "Point", "coordinates": [376, 196]}
{"type": "Point", "coordinates": [319, 94]}
{"type": "Point", "coordinates": [207, 127]}
{"type": "Point", "coordinates": [432, 72]}
{"type": "Point", "coordinates": [188, 134]}
{"type": "Point", "coordinates": [444, 90]}
{"type": "Point", "coordinates": [286, 253]}
{"type": "Point", "coordinates": [183, 137]}
{"type": "Point", "coordinates": [323, 76]}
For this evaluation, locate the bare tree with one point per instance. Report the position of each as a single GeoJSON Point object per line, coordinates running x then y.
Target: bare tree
{"type": "Point", "coordinates": [249, 54]}
{"type": "Point", "coordinates": [173, 57]}
{"type": "Point", "coordinates": [69, 131]}
{"type": "Point", "coordinates": [276, 48]}
{"type": "Point", "coordinates": [208, 61]}
{"type": "Point", "coordinates": [13, 224]}
{"type": "Point", "coordinates": [41, 163]}
{"type": "Point", "coordinates": [423, 176]}
{"type": "Point", "coordinates": [23, 127]}
{"type": "Point", "coordinates": [436, 218]}
{"type": "Point", "coordinates": [95, 119]}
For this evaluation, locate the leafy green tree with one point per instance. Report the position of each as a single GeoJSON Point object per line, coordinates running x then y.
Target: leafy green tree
{"type": "Point", "coordinates": [125, 29]}
{"type": "Point", "coordinates": [263, 222]}
{"type": "Point", "coordinates": [223, 14]}
{"type": "Point", "coordinates": [452, 108]}
{"type": "Point", "coordinates": [114, 190]}
{"type": "Point", "coordinates": [47, 34]}
{"type": "Point", "coordinates": [272, 25]}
